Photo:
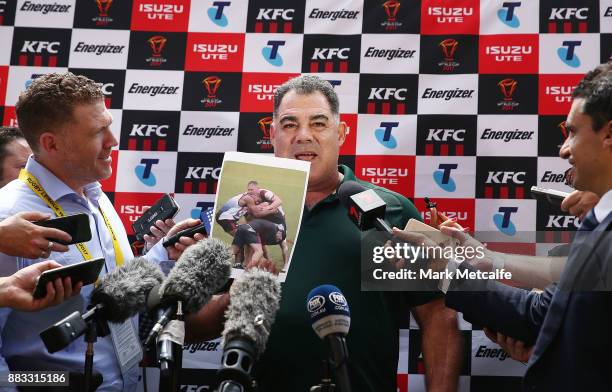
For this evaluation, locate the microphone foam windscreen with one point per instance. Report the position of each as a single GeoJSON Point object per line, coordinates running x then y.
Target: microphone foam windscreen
{"type": "Point", "coordinates": [201, 271]}
{"type": "Point", "coordinates": [254, 302]}
{"type": "Point", "coordinates": [124, 291]}
{"type": "Point", "coordinates": [348, 189]}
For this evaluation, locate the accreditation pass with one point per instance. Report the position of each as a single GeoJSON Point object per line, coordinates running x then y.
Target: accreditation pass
{"type": "Point", "coordinates": [34, 378]}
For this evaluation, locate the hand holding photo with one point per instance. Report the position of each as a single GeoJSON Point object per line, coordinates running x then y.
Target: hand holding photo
{"type": "Point", "coordinates": [258, 210]}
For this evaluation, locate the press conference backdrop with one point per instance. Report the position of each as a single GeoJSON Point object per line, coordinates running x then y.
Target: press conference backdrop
{"type": "Point", "coordinates": [461, 101]}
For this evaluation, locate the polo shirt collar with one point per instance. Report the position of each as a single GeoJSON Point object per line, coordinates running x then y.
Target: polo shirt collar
{"type": "Point", "coordinates": [55, 187]}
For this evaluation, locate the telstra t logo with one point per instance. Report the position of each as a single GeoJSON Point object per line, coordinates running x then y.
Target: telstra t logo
{"type": "Point", "coordinates": [507, 16]}
{"type": "Point", "coordinates": [270, 53]}
{"type": "Point", "coordinates": [215, 13]}
{"type": "Point", "coordinates": [144, 172]}
{"type": "Point", "coordinates": [383, 134]}
{"type": "Point", "coordinates": [199, 208]}
{"type": "Point", "coordinates": [503, 222]}
{"type": "Point", "coordinates": [567, 55]}
{"type": "Point", "coordinates": [443, 178]}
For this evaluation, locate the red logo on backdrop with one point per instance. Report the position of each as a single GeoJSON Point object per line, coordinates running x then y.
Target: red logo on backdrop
{"type": "Point", "coordinates": [392, 172]}
{"type": "Point", "coordinates": [160, 15]}
{"type": "Point", "coordinates": [131, 206]}
{"type": "Point", "coordinates": [103, 18]}
{"type": "Point", "coordinates": [257, 90]}
{"type": "Point", "coordinates": [402, 382]}
{"type": "Point", "coordinates": [391, 9]}
{"type": "Point", "coordinates": [157, 44]}
{"type": "Point", "coordinates": [214, 52]}
{"type": "Point", "coordinates": [10, 118]}
{"type": "Point", "coordinates": [265, 124]}
{"type": "Point", "coordinates": [444, 17]}
{"type": "Point", "coordinates": [108, 185]}
{"type": "Point", "coordinates": [555, 93]}
{"type": "Point", "coordinates": [507, 88]}
{"type": "Point", "coordinates": [3, 80]}
{"type": "Point", "coordinates": [448, 46]}
{"type": "Point", "coordinates": [211, 84]}
{"type": "Point", "coordinates": [508, 53]}
{"type": "Point", "coordinates": [350, 141]}
{"type": "Point", "coordinates": [461, 209]}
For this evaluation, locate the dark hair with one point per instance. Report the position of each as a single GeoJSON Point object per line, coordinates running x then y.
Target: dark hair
{"type": "Point", "coordinates": [7, 135]}
{"type": "Point", "coordinates": [596, 90]}
{"type": "Point", "coordinates": [305, 85]}
{"type": "Point", "coordinates": [252, 182]}
{"type": "Point", "coordinates": [50, 100]}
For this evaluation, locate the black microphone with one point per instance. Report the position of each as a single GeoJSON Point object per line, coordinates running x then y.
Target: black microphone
{"type": "Point", "coordinates": [254, 302]}
{"type": "Point", "coordinates": [365, 208]}
{"type": "Point", "coordinates": [331, 319]}
{"type": "Point", "coordinates": [120, 295]}
{"type": "Point", "coordinates": [200, 272]}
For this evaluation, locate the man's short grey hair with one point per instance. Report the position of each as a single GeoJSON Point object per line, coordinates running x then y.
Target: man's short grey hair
{"type": "Point", "coordinates": [306, 85]}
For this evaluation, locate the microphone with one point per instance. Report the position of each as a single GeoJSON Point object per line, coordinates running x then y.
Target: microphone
{"type": "Point", "coordinates": [124, 291]}
{"type": "Point", "coordinates": [201, 271]}
{"type": "Point", "coordinates": [254, 302]}
{"type": "Point", "coordinates": [331, 319]}
{"type": "Point", "coordinates": [119, 295]}
{"type": "Point", "coordinates": [366, 208]}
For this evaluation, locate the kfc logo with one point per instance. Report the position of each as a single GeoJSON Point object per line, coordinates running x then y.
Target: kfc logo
{"type": "Point", "coordinates": [274, 20]}
{"type": "Point", "coordinates": [197, 172]}
{"type": "Point", "coordinates": [569, 16]}
{"type": "Point", "coordinates": [36, 47]}
{"type": "Point", "coordinates": [508, 178]}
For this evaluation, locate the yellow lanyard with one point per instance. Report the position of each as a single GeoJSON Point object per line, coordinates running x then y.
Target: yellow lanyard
{"type": "Point", "coordinates": [31, 181]}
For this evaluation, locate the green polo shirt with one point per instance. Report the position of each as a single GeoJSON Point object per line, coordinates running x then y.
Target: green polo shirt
{"type": "Point", "coordinates": [328, 251]}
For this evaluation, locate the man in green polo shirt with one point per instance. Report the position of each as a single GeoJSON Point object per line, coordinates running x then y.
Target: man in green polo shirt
{"type": "Point", "coordinates": [306, 126]}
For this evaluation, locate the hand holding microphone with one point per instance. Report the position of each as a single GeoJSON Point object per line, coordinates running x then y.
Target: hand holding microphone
{"type": "Point", "coordinates": [200, 272]}
{"type": "Point", "coordinates": [119, 295]}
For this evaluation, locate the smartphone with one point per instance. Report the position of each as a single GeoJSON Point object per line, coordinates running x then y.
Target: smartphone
{"type": "Point", "coordinates": [86, 271]}
{"type": "Point", "coordinates": [76, 225]}
{"type": "Point", "coordinates": [551, 196]}
{"type": "Point", "coordinates": [164, 208]}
